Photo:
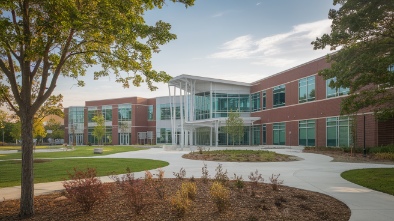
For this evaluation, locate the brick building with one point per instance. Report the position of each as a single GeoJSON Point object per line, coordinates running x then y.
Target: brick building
{"type": "Point", "coordinates": [295, 107]}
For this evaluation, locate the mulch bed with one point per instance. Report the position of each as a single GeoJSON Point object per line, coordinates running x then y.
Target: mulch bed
{"type": "Point", "coordinates": [339, 156]}
{"type": "Point", "coordinates": [285, 204]}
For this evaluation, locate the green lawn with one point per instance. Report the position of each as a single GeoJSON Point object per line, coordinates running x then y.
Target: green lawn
{"type": "Point", "coordinates": [80, 151]}
{"type": "Point", "coordinates": [56, 170]}
{"type": "Point", "coordinates": [380, 179]}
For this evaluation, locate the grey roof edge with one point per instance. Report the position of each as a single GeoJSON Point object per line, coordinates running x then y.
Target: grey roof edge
{"type": "Point", "coordinates": [216, 80]}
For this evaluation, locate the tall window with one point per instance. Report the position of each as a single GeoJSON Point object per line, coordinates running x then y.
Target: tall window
{"type": "Point", "coordinates": [279, 95]}
{"type": "Point", "coordinates": [150, 112]}
{"type": "Point", "coordinates": [165, 112]}
{"type": "Point", "coordinates": [107, 112]}
{"type": "Point", "coordinates": [256, 102]}
{"type": "Point", "coordinates": [264, 133]}
{"type": "Point", "coordinates": [279, 130]}
{"type": "Point", "coordinates": [338, 131]}
{"type": "Point", "coordinates": [306, 133]}
{"type": "Point", "coordinates": [306, 89]}
{"type": "Point", "coordinates": [264, 100]}
{"type": "Point", "coordinates": [256, 135]}
{"type": "Point", "coordinates": [335, 92]}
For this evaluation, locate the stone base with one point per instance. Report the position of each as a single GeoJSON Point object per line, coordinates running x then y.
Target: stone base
{"type": "Point", "coordinates": [98, 150]}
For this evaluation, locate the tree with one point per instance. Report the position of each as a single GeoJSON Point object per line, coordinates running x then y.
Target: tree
{"type": "Point", "coordinates": [235, 127]}
{"type": "Point", "coordinates": [99, 129]}
{"type": "Point", "coordinates": [364, 32]}
{"type": "Point", "coordinates": [56, 128]}
{"type": "Point", "coordinates": [39, 131]}
{"type": "Point", "coordinates": [41, 40]}
{"type": "Point", "coordinates": [16, 131]}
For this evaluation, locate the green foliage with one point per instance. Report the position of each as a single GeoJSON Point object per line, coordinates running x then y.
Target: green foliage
{"type": "Point", "coordinates": [16, 131]}
{"type": "Point", "coordinates": [380, 179]}
{"type": "Point", "coordinates": [220, 196]}
{"type": "Point", "coordinates": [221, 176]}
{"type": "Point", "coordinates": [85, 188]}
{"type": "Point", "coordinates": [365, 33]}
{"type": "Point", "coordinates": [99, 129]}
{"type": "Point", "coordinates": [235, 127]}
{"type": "Point", "coordinates": [383, 149]}
{"type": "Point", "coordinates": [239, 181]}
{"type": "Point", "coordinates": [56, 128]}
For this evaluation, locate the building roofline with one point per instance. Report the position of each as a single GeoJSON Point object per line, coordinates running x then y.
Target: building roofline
{"type": "Point", "coordinates": [182, 77]}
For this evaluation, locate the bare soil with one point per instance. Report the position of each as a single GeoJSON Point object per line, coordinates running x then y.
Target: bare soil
{"type": "Point", "coordinates": [285, 204]}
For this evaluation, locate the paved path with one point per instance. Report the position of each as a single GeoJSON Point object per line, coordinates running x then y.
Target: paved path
{"type": "Point", "coordinates": [315, 173]}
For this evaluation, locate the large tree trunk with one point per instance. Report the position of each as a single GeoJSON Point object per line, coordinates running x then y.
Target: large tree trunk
{"type": "Point", "coordinates": [27, 176]}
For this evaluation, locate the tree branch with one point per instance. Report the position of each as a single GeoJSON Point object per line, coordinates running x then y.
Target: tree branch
{"type": "Point", "coordinates": [13, 83]}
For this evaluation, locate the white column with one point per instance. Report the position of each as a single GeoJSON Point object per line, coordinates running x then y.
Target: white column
{"type": "Point", "coordinates": [217, 132]}
{"type": "Point", "coordinates": [210, 137]}
{"type": "Point", "coordinates": [182, 119]}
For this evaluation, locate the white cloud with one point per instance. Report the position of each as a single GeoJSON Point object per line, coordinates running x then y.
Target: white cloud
{"type": "Point", "coordinates": [279, 50]}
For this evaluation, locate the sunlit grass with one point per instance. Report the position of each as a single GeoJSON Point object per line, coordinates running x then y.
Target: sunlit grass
{"type": "Point", "coordinates": [56, 170]}
{"type": "Point", "coordinates": [380, 179]}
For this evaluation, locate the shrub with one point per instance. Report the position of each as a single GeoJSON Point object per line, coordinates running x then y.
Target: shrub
{"type": "Point", "coordinates": [180, 203]}
{"type": "Point", "coordinates": [384, 156]}
{"type": "Point", "coordinates": [275, 181]}
{"type": "Point", "coordinates": [255, 178]}
{"type": "Point", "coordinates": [205, 174]}
{"type": "Point", "coordinates": [135, 195]}
{"type": "Point", "coordinates": [221, 176]}
{"type": "Point", "coordinates": [189, 189]}
{"type": "Point", "coordinates": [127, 178]}
{"type": "Point", "coordinates": [220, 196]}
{"type": "Point", "coordinates": [383, 149]}
{"type": "Point", "coordinates": [159, 184]}
{"type": "Point", "coordinates": [239, 182]}
{"type": "Point", "coordinates": [181, 175]}
{"type": "Point", "coordinates": [85, 188]}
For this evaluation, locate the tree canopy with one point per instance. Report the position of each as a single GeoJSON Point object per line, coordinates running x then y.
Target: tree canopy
{"type": "Point", "coordinates": [235, 127]}
{"type": "Point", "coordinates": [363, 31]}
{"type": "Point", "coordinates": [99, 129]}
{"type": "Point", "coordinates": [43, 40]}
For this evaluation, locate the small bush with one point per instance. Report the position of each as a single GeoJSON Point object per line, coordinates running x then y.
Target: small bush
{"type": "Point", "coordinates": [189, 189]}
{"type": "Point", "coordinates": [383, 149]}
{"type": "Point", "coordinates": [180, 203]}
{"type": "Point", "coordinates": [135, 195]}
{"type": "Point", "coordinates": [239, 182]}
{"type": "Point", "coordinates": [205, 174]}
{"type": "Point", "coordinates": [220, 196]}
{"type": "Point", "coordinates": [255, 178]}
{"type": "Point", "coordinates": [148, 176]}
{"type": "Point", "coordinates": [384, 156]}
{"type": "Point", "coordinates": [221, 176]}
{"type": "Point", "coordinates": [85, 188]}
{"type": "Point", "coordinates": [275, 181]}
{"type": "Point", "coordinates": [181, 175]}
{"type": "Point", "coordinates": [127, 178]}
{"type": "Point", "coordinates": [158, 184]}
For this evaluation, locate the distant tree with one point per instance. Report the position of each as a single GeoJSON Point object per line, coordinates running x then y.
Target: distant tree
{"type": "Point", "coordinates": [56, 129]}
{"type": "Point", "coordinates": [99, 129]}
{"type": "Point", "coordinates": [235, 127]}
{"type": "Point", "coordinates": [16, 131]}
{"type": "Point", "coordinates": [364, 33]}
{"type": "Point", "coordinates": [43, 40]}
{"type": "Point", "coordinates": [39, 131]}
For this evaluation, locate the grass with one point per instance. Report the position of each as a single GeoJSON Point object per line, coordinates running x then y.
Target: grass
{"type": "Point", "coordinates": [80, 151]}
{"type": "Point", "coordinates": [380, 179]}
{"type": "Point", "coordinates": [56, 170]}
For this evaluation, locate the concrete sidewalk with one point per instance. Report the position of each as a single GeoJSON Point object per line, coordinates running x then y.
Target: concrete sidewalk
{"type": "Point", "coordinates": [315, 173]}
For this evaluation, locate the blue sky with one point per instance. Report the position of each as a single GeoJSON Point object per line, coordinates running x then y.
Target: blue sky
{"type": "Point", "coordinates": [241, 40]}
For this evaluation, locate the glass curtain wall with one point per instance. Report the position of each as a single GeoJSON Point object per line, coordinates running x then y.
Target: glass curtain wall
{"type": "Point", "coordinates": [124, 124]}
{"type": "Point", "coordinates": [339, 132]}
{"type": "Point", "coordinates": [92, 111]}
{"type": "Point", "coordinates": [76, 125]}
{"type": "Point", "coordinates": [279, 132]}
{"type": "Point", "coordinates": [225, 103]}
{"type": "Point", "coordinates": [306, 89]}
{"type": "Point", "coordinates": [306, 133]}
{"type": "Point", "coordinates": [106, 110]}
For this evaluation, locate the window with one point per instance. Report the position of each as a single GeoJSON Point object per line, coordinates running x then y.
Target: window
{"type": "Point", "coordinates": [338, 131]}
{"type": "Point", "coordinates": [391, 68]}
{"type": "Point", "coordinates": [256, 134]}
{"type": "Point", "coordinates": [279, 130]}
{"type": "Point", "coordinates": [150, 112]}
{"type": "Point", "coordinates": [264, 100]}
{"type": "Point", "coordinates": [306, 89]}
{"type": "Point", "coordinates": [107, 112]}
{"type": "Point", "coordinates": [279, 96]}
{"type": "Point", "coordinates": [335, 92]}
{"type": "Point", "coordinates": [306, 133]}
{"type": "Point", "coordinates": [256, 102]}
{"type": "Point", "coordinates": [165, 112]}
{"type": "Point", "coordinates": [264, 134]}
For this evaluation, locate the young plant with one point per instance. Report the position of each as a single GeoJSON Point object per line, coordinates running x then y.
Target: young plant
{"type": "Point", "coordinates": [220, 196]}
{"type": "Point", "coordinates": [180, 203]}
{"type": "Point", "coordinates": [127, 178]}
{"type": "Point", "coordinates": [181, 175]}
{"type": "Point", "coordinates": [205, 174]}
{"type": "Point", "coordinates": [84, 188]}
{"type": "Point", "coordinates": [135, 195]}
{"type": "Point", "coordinates": [158, 184]}
{"type": "Point", "coordinates": [275, 182]}
{"type": "Point", "coordinates": [189, 189]}
{"type": "Point", "coordinates": [239, 182]}
{"type": "Point", "coordinates": [221, 176]}
{"type": "Point", "coordinates": [255, 178]}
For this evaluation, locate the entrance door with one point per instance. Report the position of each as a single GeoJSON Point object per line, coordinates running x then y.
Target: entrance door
{"type": "Point", "coordinates": [124, 139]}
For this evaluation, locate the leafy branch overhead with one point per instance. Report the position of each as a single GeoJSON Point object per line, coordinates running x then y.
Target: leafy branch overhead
{"type": "Point", "coordinates": [364, 33]}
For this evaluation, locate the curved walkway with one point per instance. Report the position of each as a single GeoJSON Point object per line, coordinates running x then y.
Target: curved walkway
{"type": "Point", "coordinates": [314, 173]}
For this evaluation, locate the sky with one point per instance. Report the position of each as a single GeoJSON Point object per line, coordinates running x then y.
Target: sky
{"type": "Point", "coordinates": [240, 40]}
